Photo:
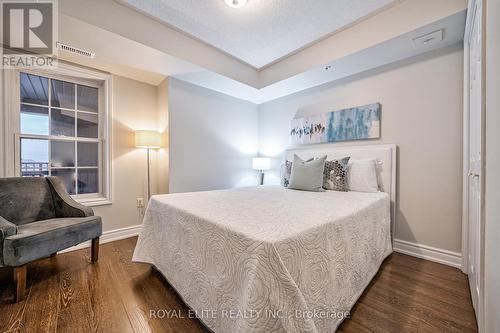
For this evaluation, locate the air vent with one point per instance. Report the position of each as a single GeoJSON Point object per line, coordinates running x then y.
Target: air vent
{"type": "Point", "coordinates": [428, 40]}
{"type": "Point", "coordinates": [75, 50]}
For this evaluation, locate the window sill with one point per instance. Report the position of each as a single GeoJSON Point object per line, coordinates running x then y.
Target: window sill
{"type": "Point", "coordinates": [92, 202]}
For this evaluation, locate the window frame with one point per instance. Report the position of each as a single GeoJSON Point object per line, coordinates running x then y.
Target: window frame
{"type": "Point", "coordinates": [73, 74]}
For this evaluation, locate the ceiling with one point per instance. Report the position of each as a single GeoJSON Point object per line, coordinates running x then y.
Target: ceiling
{"type": "Point", "coordinates": [384, 53]}
{"type": "Point", "coordinates": [156, 50]}
{"type": "Point", "coordinates": [259, 33]}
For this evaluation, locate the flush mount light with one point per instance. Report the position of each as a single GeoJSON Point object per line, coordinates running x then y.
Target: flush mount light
{"type": "Point", "coordinates": [236, 3]}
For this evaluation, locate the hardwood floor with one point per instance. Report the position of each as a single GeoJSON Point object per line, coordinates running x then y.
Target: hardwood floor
{"type": "Point", "coordinates": [67, 293]}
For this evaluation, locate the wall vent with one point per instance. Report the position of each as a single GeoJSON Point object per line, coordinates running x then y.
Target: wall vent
{"type": "Point", "coordinates": [75, 50]}
{"type": "Point", "coordinates": [428, 40]}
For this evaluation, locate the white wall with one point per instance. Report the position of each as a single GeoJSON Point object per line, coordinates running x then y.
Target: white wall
{"type": "Point", "coordinates": [134, 107]}
{"type": "Point", "coordinates": [492, 180]}
{"type": "Point", "coordinates": [212, 139]}
{"type": "Point", "coordinates": [162, 172]}
{"type": "Point", "coordinates": [422, 113]}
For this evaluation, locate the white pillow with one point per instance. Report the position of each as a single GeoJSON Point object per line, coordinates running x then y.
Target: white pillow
{"type": "Point", "coordinates": [362, 175]}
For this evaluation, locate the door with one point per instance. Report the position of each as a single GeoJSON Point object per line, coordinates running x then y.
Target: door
{"type": "Point", "coordinates": [475, 156]}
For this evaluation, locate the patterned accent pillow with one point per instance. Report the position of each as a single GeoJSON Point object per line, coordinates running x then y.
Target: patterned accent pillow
{"type": "Point", "coordinates": [335, 175]}
{"type": "Point", "coordinates": [286, 171]}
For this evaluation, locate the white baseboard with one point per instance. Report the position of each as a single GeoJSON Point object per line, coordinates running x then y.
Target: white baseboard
{"type": "Point", "coordinates": [445, 257]}
{"type": "Point", "coordinates": [109, 236]}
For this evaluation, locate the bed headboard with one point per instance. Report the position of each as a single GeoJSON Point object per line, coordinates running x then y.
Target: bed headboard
{"type": "Point", "coordinates": [385, 154]}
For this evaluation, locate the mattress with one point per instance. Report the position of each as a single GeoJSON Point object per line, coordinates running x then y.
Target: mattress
{"type": "Point", "coordinates": [267, 259]}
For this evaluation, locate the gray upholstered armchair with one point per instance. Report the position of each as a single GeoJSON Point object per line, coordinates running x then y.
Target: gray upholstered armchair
{"type": "Point", "coordinates": [37, 219]}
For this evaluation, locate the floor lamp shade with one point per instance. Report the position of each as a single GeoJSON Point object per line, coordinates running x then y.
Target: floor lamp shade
{"type": "Point", "coordinates": [147, 139]}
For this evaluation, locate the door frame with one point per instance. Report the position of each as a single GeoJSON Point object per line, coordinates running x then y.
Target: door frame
{"type": "Point", "coordinates": [471, 15]}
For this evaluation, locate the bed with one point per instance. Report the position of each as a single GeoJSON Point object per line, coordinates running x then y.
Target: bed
{"type": "Point", "coordinates": [270, 259]}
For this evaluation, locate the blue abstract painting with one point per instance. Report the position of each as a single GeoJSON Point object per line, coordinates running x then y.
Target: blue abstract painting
{"type": "Point", "coordinates": [358, 123]}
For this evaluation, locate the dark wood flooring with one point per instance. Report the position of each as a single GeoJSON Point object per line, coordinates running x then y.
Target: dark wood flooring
{"type": "Point", "coordinates": [68, 294]}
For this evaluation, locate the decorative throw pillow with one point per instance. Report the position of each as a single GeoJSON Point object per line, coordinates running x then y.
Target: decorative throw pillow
{"type": "Point", "coordinates": [362, 175]}
{"type": "Point", "coordinates": [286, 171]}
{"type": "Point", "coordinates": [335, 175]}
{"type": "Point", "coordinates": [307, 175]}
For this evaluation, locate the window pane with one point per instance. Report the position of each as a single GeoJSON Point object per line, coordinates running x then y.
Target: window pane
{"type": "Point", "coordinates": [34, 120]}
{"type": "Point", "coordinates": [87, 98]}
{"type": "Point", "coordinates": [63, 94]}
{"type": "Point", "coordinates": [34, 89]}
{"type": "Point", "coordinates": [88, 154]}
{"type": "Point", "coordinates": [34, 158]}
{"type": "Point", "coordinates": [62, 122]}
{"type": "Point", "coordinates": [88, 181]}
{"type": "Point", "coordinates": [68, 177]}
{"type": "Point", "coordinates": [62, 154]}
{"type": "Point", "coordinates": [87, 125]}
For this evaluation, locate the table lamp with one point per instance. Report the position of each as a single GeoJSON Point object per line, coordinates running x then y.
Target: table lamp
{"type": "Point", "coordinates": [261, 164]}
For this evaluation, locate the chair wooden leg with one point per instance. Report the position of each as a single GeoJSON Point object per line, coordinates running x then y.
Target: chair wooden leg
{"type": "Point", "coordinates": [95, 249]}
{"type": "Point", "coordinates": [19, 282]}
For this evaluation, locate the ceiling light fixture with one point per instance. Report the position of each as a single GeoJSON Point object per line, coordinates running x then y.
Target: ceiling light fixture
{"type": "Point", "coordinates": [236, 3]}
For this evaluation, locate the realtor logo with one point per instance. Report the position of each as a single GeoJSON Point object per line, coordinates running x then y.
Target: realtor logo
{"type": "Point", "coordinates": [28, 33]}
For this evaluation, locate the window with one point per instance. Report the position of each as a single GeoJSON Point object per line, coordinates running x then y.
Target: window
{"type": "Point", "coordinates": [61, 124]}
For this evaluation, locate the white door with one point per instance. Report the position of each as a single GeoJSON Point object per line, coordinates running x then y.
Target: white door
{"type": "Point", "coordinates": [475, 157]}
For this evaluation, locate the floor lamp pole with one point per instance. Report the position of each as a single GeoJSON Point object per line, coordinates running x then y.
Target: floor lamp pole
{"type": "Point", "coordinates": [149, 186]}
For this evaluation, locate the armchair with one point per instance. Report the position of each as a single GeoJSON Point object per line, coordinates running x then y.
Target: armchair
{"type": "Point", "coordinates": [38, 218]}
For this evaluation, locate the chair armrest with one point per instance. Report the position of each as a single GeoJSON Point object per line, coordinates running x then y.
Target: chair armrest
{"type": "Point", "coordinates": [64, 204]}
{"type": "Point", "coordinates": [6, 228]}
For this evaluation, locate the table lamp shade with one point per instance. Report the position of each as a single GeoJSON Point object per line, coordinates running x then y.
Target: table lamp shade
{"type": "Point", "coordinates": [261, 163]}
{"type": "Point", "coordinates": [147, 139]}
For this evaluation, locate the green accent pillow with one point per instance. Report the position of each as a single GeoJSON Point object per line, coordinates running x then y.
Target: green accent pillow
{"type": "Point", "coordinates": [307, 175]}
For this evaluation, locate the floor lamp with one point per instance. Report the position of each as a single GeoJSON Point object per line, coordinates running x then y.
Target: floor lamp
{"type": "Point", "coordinates": [148, 140]}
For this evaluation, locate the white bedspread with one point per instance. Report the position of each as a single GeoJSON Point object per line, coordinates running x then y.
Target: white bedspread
{"type": "Point", "coordinates": [267, 259]}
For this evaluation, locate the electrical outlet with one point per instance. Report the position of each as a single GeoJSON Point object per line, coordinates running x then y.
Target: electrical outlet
{"type": "Point", "coordinates": [140, 202]}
